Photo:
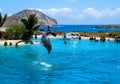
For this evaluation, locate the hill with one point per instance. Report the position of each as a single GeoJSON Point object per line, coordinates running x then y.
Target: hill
{"type": "Point", "coordinates": [42, 18]}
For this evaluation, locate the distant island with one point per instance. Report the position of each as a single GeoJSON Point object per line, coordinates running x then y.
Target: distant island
{"type": "Point", "coordinates": [108, 26]}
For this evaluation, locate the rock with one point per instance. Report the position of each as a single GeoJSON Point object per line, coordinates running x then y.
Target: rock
{"type": "Point", "coordinates": [42, 18]}
{"type": "Point", "coordinates": [5, 43]}
{"type": "Point", "coordinates": [91, 38]}
{"type": "Point", "coordinates": [102, 39]}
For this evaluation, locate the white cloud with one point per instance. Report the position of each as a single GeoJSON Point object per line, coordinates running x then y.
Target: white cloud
{"type": "Point", "coordinates": [73, 15]}
{"type": "Point", "coordinates": [56, 11]}
{"type": "Point", "coordinates": [114, 13]}
{"type": "Point", "coordinates": [32, 8]}
{"type": "Point", "coordinates": [91, 12]}
{"type": "Point", "coordinates": [0, 10]}
{"type": "Point", "coordinates": [72, 1]}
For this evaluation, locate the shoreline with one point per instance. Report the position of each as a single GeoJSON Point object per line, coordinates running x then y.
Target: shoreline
{"type": "Point", "coordinates": [51, 37]}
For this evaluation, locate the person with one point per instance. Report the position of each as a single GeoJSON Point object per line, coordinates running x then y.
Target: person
{"type": "Point", "coordinates": [35, 36]}
{"type": "Point", "coordinates": [65, 42]}
{"type": "Point", "coordinates": [79, 37]}
{"type": "Point", "coordinates": [10, 44]}
{"type": "Point", "coordinates": [64, 38]}
{"type": "Point", "coordinates": [48, 28]}
{"type": "Point", "coordinates": [5, 43]}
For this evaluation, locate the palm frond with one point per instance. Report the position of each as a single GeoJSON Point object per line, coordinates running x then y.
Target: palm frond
{"type": "Point", "coordinates": [36, 27]}
{"type": "Point", "coordinates": [4, 19]}
{"type": "Point", "coordinates": [25, 22]}
{"type": "Point", "coordinates": [0, 18]}
{"type": "Point", "coordinates": [31, 21]}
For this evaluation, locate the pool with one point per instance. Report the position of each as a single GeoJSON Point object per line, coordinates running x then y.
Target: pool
{"type": "Point", "coordinates": [77, 62]}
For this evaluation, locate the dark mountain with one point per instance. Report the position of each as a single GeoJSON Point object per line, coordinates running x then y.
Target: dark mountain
{"type": "Point", "coordinates": [42, 18]}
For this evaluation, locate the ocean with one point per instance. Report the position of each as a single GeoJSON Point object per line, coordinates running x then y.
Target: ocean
{"type": "Point", "coordinates": [74, 28]}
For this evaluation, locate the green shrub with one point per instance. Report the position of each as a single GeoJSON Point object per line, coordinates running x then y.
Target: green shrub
{"type": "Point", "coordinates": [14, 32]}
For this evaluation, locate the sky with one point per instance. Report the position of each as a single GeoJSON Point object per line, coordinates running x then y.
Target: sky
{"type": "Point", "coordinates": [69, 11]}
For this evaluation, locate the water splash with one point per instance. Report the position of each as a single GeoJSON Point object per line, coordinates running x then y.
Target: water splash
{"type": "Point", "coordinates": [41, 66]}
{"type": "Point", "coordinates": [74, 43]}
{"type": "Point", "coordinates": [45, 64]}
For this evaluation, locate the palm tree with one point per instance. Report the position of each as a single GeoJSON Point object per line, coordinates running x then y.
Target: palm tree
{"type": "Point", "coordinates": [30, 24]}
{"type": "Point", "coordinates": [2, 19]}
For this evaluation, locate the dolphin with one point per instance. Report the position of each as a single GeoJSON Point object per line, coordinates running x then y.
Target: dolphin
{"type": "Point", "coordinates": [46, 41]}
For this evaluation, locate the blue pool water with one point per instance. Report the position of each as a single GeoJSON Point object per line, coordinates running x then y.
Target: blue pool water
{"type": "Point", "coordinates": [77, 62]}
